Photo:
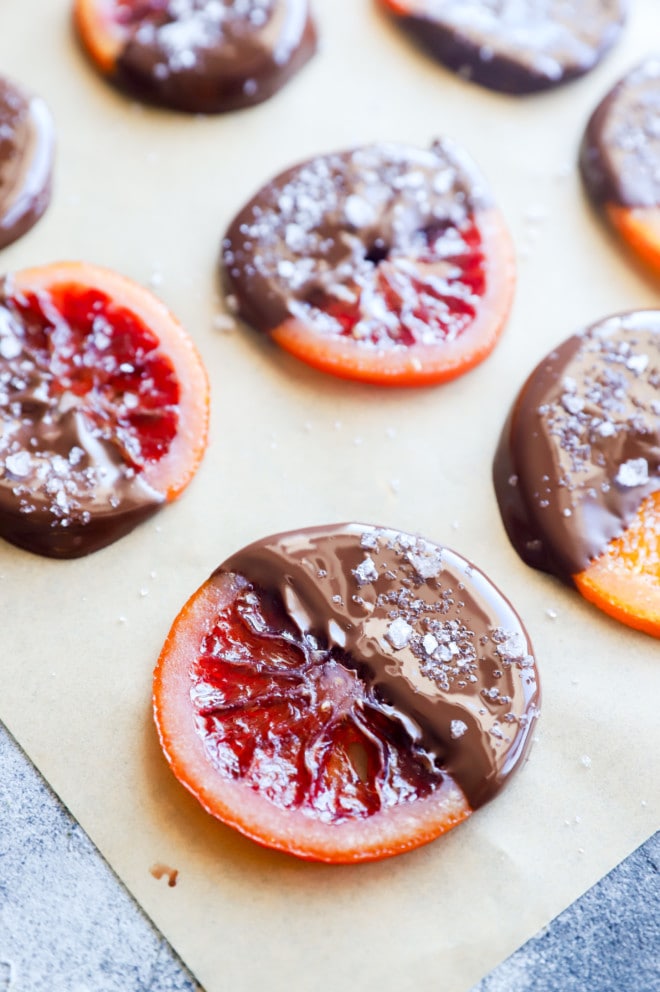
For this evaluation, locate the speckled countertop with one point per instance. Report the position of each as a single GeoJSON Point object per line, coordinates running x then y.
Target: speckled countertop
{"type": "Point", "coordinates": [68, 925]}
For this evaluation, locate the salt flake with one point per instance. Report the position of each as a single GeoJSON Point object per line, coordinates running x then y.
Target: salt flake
{"type": "Point", "coordinates": [429, 643]}
{"type": "Point", "coordinates": [634, 472]}
{"type": "Point", "coordinates": [366, 572]}
{"type": "Point", "coordinates": [18, 464]}
{"type": "Point", "coordinates": [399, 633]}
{"type": "Point", "coordinates": [458, 728]}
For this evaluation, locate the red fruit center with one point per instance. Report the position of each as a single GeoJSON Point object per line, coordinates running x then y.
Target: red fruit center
{"type": "Point", "coordinates": [296, 722]}
{"type": "Point", "coordinates": [91, 353]}
{"type": "Point", "coordinates": [430, 295]}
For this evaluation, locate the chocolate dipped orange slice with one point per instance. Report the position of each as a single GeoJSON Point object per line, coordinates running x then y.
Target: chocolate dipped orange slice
{"type": "Point", "coordinates": [577, 472]}
{"type": "Point", "coordinates": [103, 406]}
{"type": "Point", "coordinates": [345, 693]}
{"type": "Point", "coordinates": [387, 264]}
{"type": "Point", "coordinates": [199, 56]}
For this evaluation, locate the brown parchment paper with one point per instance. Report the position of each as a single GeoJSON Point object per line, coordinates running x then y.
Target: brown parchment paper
{"type": "Point", "coordinates": [150, 193]}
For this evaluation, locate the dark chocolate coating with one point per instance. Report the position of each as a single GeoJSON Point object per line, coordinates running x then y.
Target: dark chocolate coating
{"type": "Point", "coordinates": [430, 635]}
{"type": "Point", "coordinates": [27, 140]}
{"type": "Point", "coordinates": [65, 489]}
{"type": "Point", "coordinates": [620, 153]}
{"type": "Point", "coordinates": [211, 56]}
{"type": "Point", "coordinates": [317, 232]}
{"type": "Point", "coordinates": [516, 46]}
{"type": "Point", "coordinates": [581, 448]}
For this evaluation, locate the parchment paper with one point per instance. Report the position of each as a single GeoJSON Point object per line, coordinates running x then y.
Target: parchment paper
{"type": "Point", "coordinates": [150, 193]}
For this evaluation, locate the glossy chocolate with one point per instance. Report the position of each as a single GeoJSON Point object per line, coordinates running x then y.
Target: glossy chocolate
{"type": "Point", "coordinates": [620, 154]}
{"type": "Point", "coordinates": [436, 643]}
{"type": "Point", "coordinates": [27, 140]}
{"type": "Point", "coordinates": [315, 237]}
{"type": "Point", "coordinates": [65, 486]}
{"type": "Point", "coordinates": [581, 448]}
{"type": "Point", "coordinates": [515, 46]}
{"type": "Point", "coordinates": [209, 56]}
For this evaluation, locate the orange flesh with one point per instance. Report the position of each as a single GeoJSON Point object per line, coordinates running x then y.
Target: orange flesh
{"type": "Point", "coordinates": [238, 798]}
{"type": "Point", "coordinates": [171, 474]}
{"type": "Point", "coordinates": [420, 364]}
{"type": "Point", "coordinates": [639, 227]}
{"type": "Point", "coordinates": [625, 580]}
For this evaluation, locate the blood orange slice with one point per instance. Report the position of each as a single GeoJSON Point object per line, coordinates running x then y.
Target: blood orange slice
{"type": "Point", "coordinates": [386, 264]}
{"type": "Point", "coordinates": [104, 406]}
{"type": "Point", "coordinates": [345, 693]}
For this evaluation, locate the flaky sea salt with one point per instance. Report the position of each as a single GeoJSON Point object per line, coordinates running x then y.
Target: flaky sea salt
{"type": "Point", "coordinates": [572, 404]}
{"type": "Point", "coordinates": [634, 472]}
{"type": "Point", "coordinates": [427, 562]}
{"type": "Point", "coordinates": [638, 363]}
{"type": "Point", "coordinates": [606, 429]}
{"type": "Point", "coordinates": [399, 633]}
{"type": "Point", "coordinates": [18, 464]}
{"type": "Point", "coordinates": [358, 211]}
{"type": "Point", "coordinates": [366, 572]}
{"type": "Point", "coordinates": [457, 729]}
{"type": "Point", "coordinates": [429, 643]}
{"type": "Point", "coordinates": [10, 347]}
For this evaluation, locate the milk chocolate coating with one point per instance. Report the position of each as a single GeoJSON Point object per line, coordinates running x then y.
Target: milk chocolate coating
{"type": "Point", "coordinates": [316, 234]}
{"type": "Point", "coordinates": [620, 153]}
{"type": "Point", "coordinates": [65, 489]}
{"type": "Point", "coordinates": [581, 448]}
{"type": "Point", "coordinates": [516, 46]}
{"type": "Point", "coordinates": [27, 139]}
{"type": "Point", "coordinates": [210, 56]}
{"type": "Point", "coordinates": [433, 640]}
